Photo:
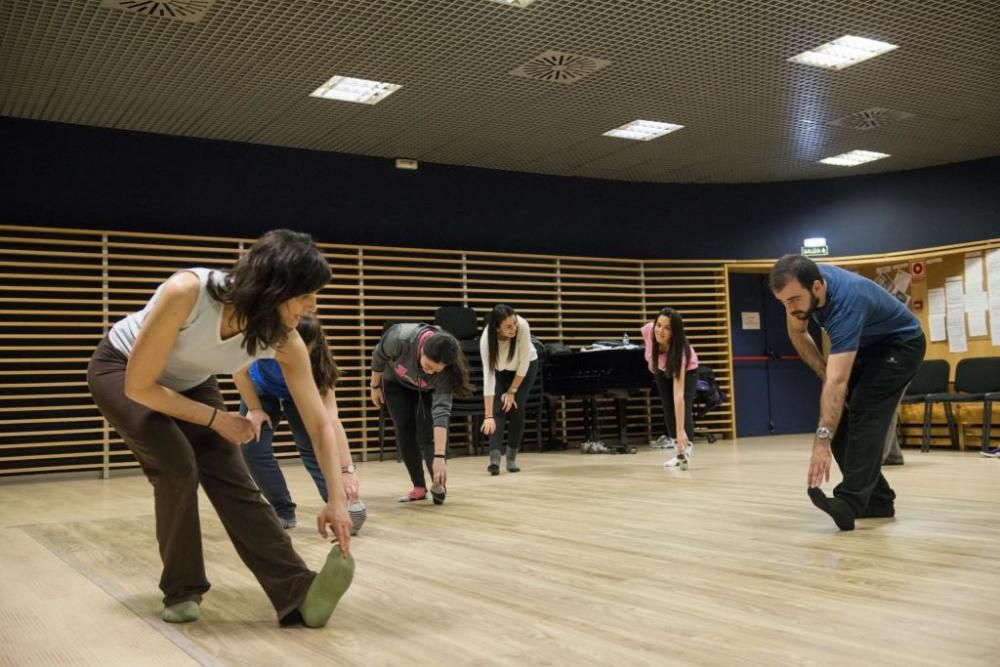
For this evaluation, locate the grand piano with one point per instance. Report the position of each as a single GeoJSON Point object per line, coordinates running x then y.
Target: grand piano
{"type": "Point", "coordinates": [616, 372]}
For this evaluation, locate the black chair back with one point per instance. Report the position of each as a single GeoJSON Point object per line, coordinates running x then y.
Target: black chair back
{"type": "Point", "coordinates": [978, 375]}
{"type": "Point", "coordinates": [931, 378]}
{"type": "Point", "coordinates": [459, 321]}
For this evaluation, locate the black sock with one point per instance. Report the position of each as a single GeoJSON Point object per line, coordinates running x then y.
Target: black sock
{"type": "Point", "coordinates": [837, 508]}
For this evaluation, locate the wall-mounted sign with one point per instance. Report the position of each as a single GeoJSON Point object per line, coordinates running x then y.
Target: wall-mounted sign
{"type": "Point", "coordinates": [750, 320]}
{"type": "Point", "coordinates": [816, 251]}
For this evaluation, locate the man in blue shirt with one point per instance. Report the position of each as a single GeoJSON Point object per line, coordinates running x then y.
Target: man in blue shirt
{"type": "Point", "coordinates": [876, 344]}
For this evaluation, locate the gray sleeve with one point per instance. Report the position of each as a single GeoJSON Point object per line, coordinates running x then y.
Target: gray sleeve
{"type": "Point", "coordinates": [387, 349]}
{"type": "Point", "coordinates": [441, 405]}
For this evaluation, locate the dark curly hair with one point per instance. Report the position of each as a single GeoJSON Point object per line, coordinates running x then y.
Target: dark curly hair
{"type": "Point", "coordinates": [282, 264]}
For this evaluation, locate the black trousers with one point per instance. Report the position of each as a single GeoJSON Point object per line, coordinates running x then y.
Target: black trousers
{"type": "Point", "coordinates": [665, 385]}
{"type": "Point", "coordinates": [410, 410]}
{"type": "Point", "coordinates": [878, 379]}
{"type": "Point", "coordinates": [511, 423]}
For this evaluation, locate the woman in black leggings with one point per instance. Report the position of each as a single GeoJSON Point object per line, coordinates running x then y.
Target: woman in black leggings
{"type": "Point", "coordinates": [416, 368]}
{"type": "Point", "coordinates": [510, 366]}
{"type": "Point", "coordinates": [673, 363]}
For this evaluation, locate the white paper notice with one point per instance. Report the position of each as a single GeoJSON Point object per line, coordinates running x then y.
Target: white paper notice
{"type": "Point", "coordinates": [993, 283]}
{"type": "Point", "coordinates": [955, 299]}
{"type": "Point", "coordinates": [750, 320]}
{"type": "Point", "coordinates": [976, 306]}
{"type": "Point", "coordinates": [936, 314]}
{"type": "Point", "coordinates": [973, 273]}
{"type": "Point", "coordinates": [902, 281]}
{"type": "Point", "coordinates": [995, 317]}
{"type": "Point", "coordinates": [993, 270]}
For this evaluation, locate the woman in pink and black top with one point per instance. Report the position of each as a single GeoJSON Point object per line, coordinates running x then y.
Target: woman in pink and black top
{"type": "Point", "coordinates": [674, 373]}
{"type": "Point", "coordinates": [416, 368]}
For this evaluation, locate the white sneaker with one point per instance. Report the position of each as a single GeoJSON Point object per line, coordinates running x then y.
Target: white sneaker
{"type": "Point", "coordinates": [663, 442]}
{"type": "Point", "coordinates": [681, 460]}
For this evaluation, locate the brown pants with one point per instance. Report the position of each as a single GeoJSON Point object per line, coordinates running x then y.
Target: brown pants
{"type": "Point", "coordinates": [176, 456]}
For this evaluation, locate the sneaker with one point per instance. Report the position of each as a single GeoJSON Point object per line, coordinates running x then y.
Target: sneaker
{"type": "Point", "coordinates": [418, 493]}
{"type": "Point", "coordinates": [493, 469]}
{"type": "Point", "coordinates": [663, 442]}
{"type": "Point", "coordinates": [991, 452]}
{"type": "Point", "coordinates": [287, 523]}
{"type": "Point", "coordinates": [681, 460]}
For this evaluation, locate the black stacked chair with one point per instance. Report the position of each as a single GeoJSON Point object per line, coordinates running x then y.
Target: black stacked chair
{"type": "Point", "coordinates": [931, 380]}
{"type": "Point", "coordinates": [462, 323]}
{"type": "Point", "coordinates": [537, 403]}
{"type": "Point", "coordinates": [707, 397]}
{"type": "Point", "coordinates": [976, 380]}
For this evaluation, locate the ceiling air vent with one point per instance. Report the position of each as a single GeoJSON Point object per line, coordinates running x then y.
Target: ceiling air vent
{"type": "Point", "coordinates": [869, 119]}
{"type": "Point", "coordinates": [189, 11]}
{"type": "Point", "coordinates": [560, 67]}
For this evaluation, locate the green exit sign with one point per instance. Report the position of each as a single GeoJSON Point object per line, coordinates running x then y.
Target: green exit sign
{"type": "Point", "coordinates": [816, 251]}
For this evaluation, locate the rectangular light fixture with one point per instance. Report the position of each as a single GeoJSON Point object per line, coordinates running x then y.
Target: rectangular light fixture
{"type": "Point", "coordinates": [349, 89]}
{"type": "Point", "coordinates": [515, 3]}
{"type": "Point", "coordinates": [642, 130]}
{"type": "Point", "coordinates": [853, 158]}
{"type": "Point", "coordinates": [843, 52]}
{"type": "Point", "coordinates": [817, 242]}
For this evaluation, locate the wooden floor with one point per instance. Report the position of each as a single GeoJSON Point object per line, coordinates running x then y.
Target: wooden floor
{"type": "Point", "coordinates": [578, 560]}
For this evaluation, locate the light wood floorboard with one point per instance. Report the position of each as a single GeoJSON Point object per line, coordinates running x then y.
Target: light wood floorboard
{"type": "Point", "coordinates": [578, 560]}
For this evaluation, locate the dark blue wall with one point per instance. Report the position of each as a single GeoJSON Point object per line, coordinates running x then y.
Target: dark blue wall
{"type": "Point", "coordinates": [76, 176]}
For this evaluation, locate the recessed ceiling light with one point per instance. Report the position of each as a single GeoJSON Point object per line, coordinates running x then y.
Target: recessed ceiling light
{"type": "Point", "coordinates": [515, 3]}
{"type": "Point", "coordinates": [349, 89]}
{"type": "Point", "coordinates": [843, 52]}
{"type": "Point", "coordinates": [642, 130]}
{"type": "Point", "coordinates": [854, 158]}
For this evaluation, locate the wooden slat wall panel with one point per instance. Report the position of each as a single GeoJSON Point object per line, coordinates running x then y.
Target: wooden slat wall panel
{"type": "Point", "coordinates": [60, 289]}
{"type": "Point", "coordinates": [53, 314]}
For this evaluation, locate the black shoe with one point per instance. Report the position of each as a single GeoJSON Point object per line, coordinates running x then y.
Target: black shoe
{"type": "Point", "coordinates": [493, 469]}
{"type": "Point", "coordinates": [438, 493]}
{"type": "Point", "coordinates": [513, 467]}
{"type": "Point", "coordinates": [878, 512]}
{"type": "Point", "coordinates": [837, 508]}
{"type": "Point", "coordinates": [893, 461]}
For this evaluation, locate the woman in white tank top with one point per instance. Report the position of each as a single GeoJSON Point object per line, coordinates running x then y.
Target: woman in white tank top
{"type": "Point", "coordinates": [153, 378]}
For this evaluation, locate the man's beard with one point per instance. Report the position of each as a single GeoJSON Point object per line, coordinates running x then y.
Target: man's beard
{"type": "Point", "coordinates": [813, 305]}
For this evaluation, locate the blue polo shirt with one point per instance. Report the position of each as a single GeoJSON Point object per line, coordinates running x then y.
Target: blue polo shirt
{"type": "Point", "coordinates": [859, 313]}
{"type": "Point", "coordinates": [268, 380]}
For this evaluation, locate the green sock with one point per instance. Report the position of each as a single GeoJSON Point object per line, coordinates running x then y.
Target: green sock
{"type": "Point", "coordinates": [182, 612]}
{"type": "Point", "coordinates": [327, 588]}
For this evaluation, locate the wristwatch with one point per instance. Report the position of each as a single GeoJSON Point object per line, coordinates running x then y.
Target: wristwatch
{"type": "Point", "coordinates": [348, 469]}
{"type": "Point", "coordinates": [823, 433]}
